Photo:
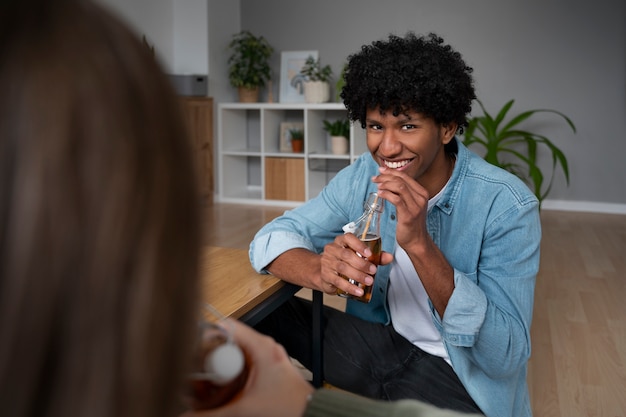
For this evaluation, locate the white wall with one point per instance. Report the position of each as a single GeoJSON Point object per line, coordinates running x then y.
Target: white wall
{"type": "Point", "coordinates": [224, 21]}
{"type": "Point", "coordinates": [150, 18]}
{"type": "Point", "coordinates": [191, 37]}
{"type": "Point", "coordinates": [178, 30]}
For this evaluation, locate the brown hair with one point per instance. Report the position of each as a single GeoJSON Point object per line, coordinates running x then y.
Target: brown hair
{"type": "Point", "coordinates": [99, 222]}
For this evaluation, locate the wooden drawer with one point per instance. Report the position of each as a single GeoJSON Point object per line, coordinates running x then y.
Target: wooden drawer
{"type": "Point", "coordinates": [284, 179]}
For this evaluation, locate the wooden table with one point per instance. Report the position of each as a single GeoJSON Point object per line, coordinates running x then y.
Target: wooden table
{"type": "Point", "coordinates": [235, 289]}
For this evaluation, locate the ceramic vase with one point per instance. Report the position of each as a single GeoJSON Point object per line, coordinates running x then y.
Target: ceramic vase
{"type": "Point", "coordinates": [316, 91]}
{"type": "Point", "coordinates": [339, 145]}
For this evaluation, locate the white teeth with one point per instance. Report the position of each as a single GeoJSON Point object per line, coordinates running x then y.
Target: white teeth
{"type": "Point", "coordinates": [396, 165]}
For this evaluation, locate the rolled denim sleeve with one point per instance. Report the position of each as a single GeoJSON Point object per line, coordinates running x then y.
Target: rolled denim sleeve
{"type": "Point", "coordinates": [465, 313]}
{"type": "Point", "coordinates": [267, 246]}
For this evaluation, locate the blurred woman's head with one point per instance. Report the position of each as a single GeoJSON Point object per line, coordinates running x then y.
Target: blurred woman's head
{"type": "Point", "coordinates": [99, 222]}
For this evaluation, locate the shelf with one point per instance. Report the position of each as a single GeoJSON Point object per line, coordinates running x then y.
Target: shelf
{"type": "Point", "coordinates": [292, 106]}
{"type": "Point", "coordinates": [243, 152]}
{"type": "Point", "coordinates": [253, 168]}
{"type": "Point", "coordinates": [327, 156]}
{"type": "Point", "coordinates": [285, 154]}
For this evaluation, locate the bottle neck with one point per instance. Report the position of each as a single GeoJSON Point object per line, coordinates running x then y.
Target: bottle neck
{"type": "Point", "coordinates": [368, 225]}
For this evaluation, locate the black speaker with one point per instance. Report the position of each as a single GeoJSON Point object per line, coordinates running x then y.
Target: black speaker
{"type": "Point", "coordinates": [190, 85]}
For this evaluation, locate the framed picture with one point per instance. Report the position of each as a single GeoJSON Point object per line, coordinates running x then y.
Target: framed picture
{"type": "Point", "coordinates": [291, 81]}
{"type": "Point", "coordinates": [285, 135]}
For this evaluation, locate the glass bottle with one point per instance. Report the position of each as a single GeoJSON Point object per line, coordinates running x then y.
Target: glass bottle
{"type": "Point", "coordinates": [367, 229]}
{"type": "Point", "coordinates": [220, 369]}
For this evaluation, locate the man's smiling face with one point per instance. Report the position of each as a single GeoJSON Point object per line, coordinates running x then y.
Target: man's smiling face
{"type": "Point", "coordinates": [409, 142]}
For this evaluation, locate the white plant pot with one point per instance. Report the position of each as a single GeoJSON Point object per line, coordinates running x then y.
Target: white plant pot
{"type": "Point", "coordinates": [339, 145]}
{"type": "Point", "coordinates": [316, 91]}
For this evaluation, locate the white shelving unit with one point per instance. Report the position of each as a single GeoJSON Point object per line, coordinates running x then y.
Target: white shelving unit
{"type": "Point", "coordinates": [253, 170]}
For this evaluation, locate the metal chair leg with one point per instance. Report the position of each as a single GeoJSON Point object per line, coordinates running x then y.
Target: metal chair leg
{"type": "Point", "coordinates": [318, 367]}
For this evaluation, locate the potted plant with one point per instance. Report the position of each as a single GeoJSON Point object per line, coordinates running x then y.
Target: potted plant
{"type": "Point", "coordinates": [339, 132]}
{"type": "Point", "coordinates": [514, 149]}
{"type": "Point", "coordinates": [248, 64]}
{"type": "Point", "coordinates": [297, 140]}
{"type": "Point", "coordinates": [316, 86]}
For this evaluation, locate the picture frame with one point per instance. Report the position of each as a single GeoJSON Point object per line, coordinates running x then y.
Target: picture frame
{"type": "Point", "coordinates": [285, 135]}
{"type": "Point", "coordinates": [291, 81]}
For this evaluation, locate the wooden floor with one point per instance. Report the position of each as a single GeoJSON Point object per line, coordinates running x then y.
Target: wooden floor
{"type": "Point", "coordinates": [578, 364]}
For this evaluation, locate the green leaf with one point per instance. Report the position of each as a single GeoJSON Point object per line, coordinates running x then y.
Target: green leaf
{"type": "Point", "coordinates": [501, 141]}
{"type": "Point", "coordinates": [248, 64]}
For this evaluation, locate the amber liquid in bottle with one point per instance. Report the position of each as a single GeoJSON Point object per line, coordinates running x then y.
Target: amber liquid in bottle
{"type": "Point", "coordinates": [375, 245]}
{"type": "Point", "coordinates": [367, 229]}
{"type": "Point", "coordinates": [206, 390]}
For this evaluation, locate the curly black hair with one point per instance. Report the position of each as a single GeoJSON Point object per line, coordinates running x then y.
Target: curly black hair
{"type": "Point", "coordinates": [409, 73]}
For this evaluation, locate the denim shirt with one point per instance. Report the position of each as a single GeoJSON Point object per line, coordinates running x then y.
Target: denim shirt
{"type": "Point", "coordinates": [488, 227]}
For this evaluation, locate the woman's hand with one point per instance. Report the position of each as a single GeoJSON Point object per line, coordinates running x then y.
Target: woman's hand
{"type": "Point", "coordinates": [275, 388]}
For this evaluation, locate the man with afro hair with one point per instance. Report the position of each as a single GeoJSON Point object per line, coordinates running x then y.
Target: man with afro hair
{"type": "Point", "coordinates": [451, 308]}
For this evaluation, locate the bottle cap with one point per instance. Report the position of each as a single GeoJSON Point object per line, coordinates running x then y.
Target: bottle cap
{"type": "Point", "coordinates": [349, 228]}
{"type": "Point", "coordinates": [224, 363]}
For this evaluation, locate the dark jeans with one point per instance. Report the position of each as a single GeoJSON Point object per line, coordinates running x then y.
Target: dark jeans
{"type": "Point", "coordinates": [367, 358]}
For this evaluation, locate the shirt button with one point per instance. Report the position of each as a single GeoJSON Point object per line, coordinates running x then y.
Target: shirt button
{"type": "Point", "coordinates": [393, 217]}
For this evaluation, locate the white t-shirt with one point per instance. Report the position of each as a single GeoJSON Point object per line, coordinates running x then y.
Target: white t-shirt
{"type": "Point", "coordinates": [408, 302]}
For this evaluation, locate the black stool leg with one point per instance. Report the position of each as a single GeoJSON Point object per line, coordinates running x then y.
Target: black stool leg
{"type": "Point", "coordinates": [318, 368]}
